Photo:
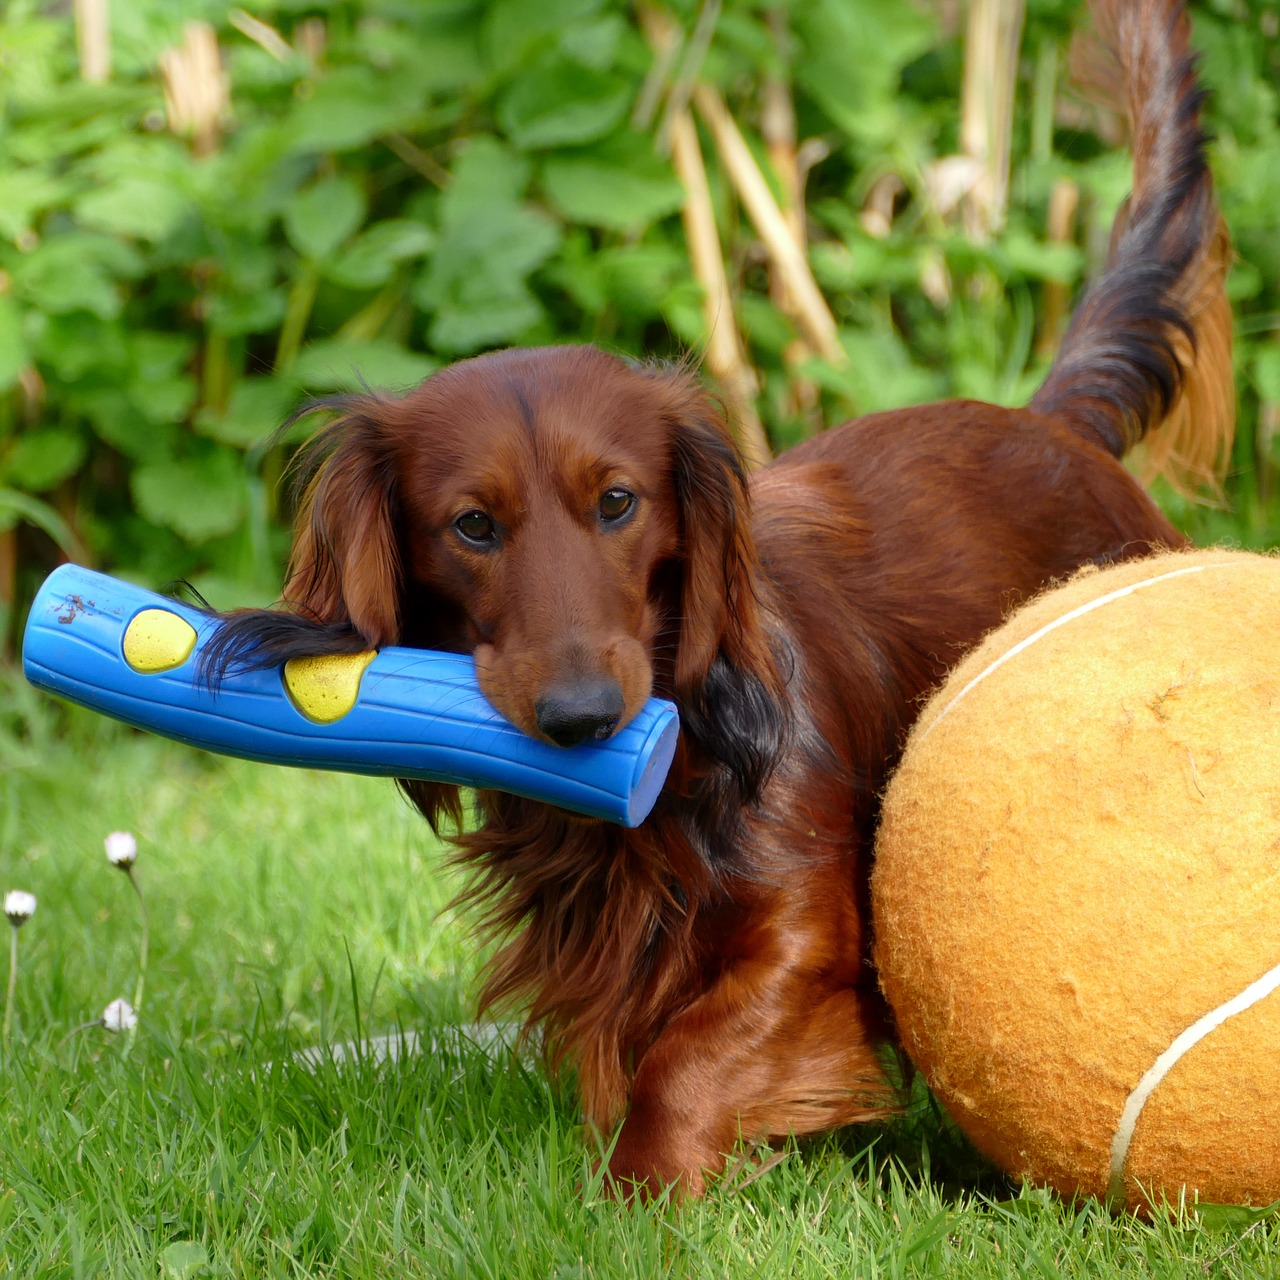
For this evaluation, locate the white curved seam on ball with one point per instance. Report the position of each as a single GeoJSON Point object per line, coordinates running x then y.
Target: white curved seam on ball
{"type": "Point", "coordinates": [1165, 1063]}
{"type": "Point", "coordinates": [1062, 621]}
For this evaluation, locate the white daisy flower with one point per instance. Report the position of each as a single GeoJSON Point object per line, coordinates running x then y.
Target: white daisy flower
{"type": "Point", "coordinates": [19, 906]}
{"type": "Point", "coordinates": [122, 849]}
{"type": "Point", "coordinates": [119, 1016]}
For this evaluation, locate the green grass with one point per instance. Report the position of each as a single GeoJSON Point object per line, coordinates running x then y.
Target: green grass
{"type": "Point", "coordinates": [291, 909]}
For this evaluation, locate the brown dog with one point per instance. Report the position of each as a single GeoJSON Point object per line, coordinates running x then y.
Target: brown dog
{"type": "Point", "coordinates": [582, 524]}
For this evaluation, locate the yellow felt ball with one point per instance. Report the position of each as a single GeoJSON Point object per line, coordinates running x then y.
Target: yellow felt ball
{"type": "Point", "coordinates": [1076, 893]}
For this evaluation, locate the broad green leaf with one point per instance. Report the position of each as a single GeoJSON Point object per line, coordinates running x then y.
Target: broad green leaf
{"type": "Point", "coordinates": [880, 373]}
{"type": "Point", "coordinates": [1233, 1217]}
{"type": "Point", "coordinates": [78, 117]}
{"type": "Point", "coordinates": [852, 58]}
{"type": "Point", "coordinates": [475, 283]}
{"type": "Point", "coordinates": [764, 325]}
{"type": "Point", "coordinates": [255, 410]}
{"type": "Point", "coordinates": [594, 44]}
{"type": "Point", "coordinates": [443, 49]}
{"type": "Point", "coordinates": [247, 264]}
{"type": "Point", "coordinates": [158, 355]}
{"type": "Point", "coordinates": [75, 271]}
{"type": "Point", "coordinates": [489, 244]}
{"type": "Point", "coordinates": [184, 1260]}
{"type": "Point", "coordinates": [622, 193]}
{"type": "Point", "coordinates": [237, 313]}
{"type": "Point", "coordinates": [577, 270]}
{"type": "Point", "coordinates": [14, 353]}
{"type": "Point", "coordinates": [163, 399]}
{"type": "Point", "coordinates": [487, 172]}
{"type": "Point", "coordinates": [198, 499]}
{"type": "Point", "coordinates": [338, 365]}
{"type": "Point", "coordinates": [40, 459]}
{"type": "Point", "coordinates": [473, 323]}
{"type": "Point", "coordinates": [1266, 373]}
{"type": "Point", "coordinates": [513, 27]}
{"type": "Point", "coordinates": [353, 105]}
{"type": "Point", "coordinates": [1063, 263]}
{"type": "Point", "coordinates": [116, 419]}
{"type": "Point", "coordinates": [500, 244]}
{"type": "Point", "coordinates": [320, 218]}
{"type": "Point", "coordinates": [68, 347]}
{"type": "Point", "coordinates": [15, 506]}
{"type": "Point", "coordinates": [25, 193]}
{"type": "Point", "coordinates": [559, 103]}
{"type": "Point", "coordinates": [639, 276]}
{"type": "Point", "coordinates": [139, 207]}
{"type": "Point", "coordinates": [372, 257]}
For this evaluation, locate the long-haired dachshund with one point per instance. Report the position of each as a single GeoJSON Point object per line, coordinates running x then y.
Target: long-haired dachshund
{"type": "Point", "coordinates": [583, 525]}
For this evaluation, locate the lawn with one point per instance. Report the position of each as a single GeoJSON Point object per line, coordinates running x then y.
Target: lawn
{"type": "Point", "coordinates": [291, 910]}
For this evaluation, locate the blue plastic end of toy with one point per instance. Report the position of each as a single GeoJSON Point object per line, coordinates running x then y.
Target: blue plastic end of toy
{"type": "Point", "coordinates": [652, 766]}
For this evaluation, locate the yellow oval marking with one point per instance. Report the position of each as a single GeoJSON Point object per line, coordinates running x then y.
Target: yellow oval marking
{"type": "Point", "coordinates": [324, 688]}
{"type": "Point", "coordinates": [157, 640]}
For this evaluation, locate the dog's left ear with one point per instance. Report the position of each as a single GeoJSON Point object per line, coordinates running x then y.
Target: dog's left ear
{"type": "Point", "coordinates": [727, 682]}
{"type": "Point", "coordinates": [719, 609]}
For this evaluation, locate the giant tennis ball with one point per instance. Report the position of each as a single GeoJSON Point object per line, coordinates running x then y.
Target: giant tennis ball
{"type": "Point", "coordinates": [1077, 885]}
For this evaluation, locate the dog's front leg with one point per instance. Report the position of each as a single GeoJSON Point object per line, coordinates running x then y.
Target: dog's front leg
{"type": "Point", "coordinates": [773, 1047]}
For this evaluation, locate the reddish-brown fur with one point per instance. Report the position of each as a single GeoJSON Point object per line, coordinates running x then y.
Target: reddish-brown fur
{"type": "Point", "coordinates": [707, 973]}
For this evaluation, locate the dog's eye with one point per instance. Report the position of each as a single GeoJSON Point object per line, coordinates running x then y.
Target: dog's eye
{"type": "Point", "coordinates": [616, 503]}
{"type": "Point", "coordinates": [477, 528]}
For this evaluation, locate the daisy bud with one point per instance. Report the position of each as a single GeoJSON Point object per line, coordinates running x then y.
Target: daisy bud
{"type": "Point", "coordinates": [19, 906]}
{"type": "Point", "coordinates": [119, 1016]}
{"type": "Point", "coordinates": [122, 849]}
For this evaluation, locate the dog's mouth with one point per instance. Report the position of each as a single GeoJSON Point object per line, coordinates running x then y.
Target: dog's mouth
{"type": "Point", "coordinates": [572, 708]}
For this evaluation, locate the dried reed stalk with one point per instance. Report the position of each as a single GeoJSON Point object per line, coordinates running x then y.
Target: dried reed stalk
{"type": "Point", "coordinates": [419, 161]}
{"type": "Point", "coordinates": [725, 357]}
{"type": "Point", "coordinates": [1267, 432]}
{"type": "Point", "coordinates": [263, 34]}
{"type": "Point", "coordinates": [690, 67]}
{"type": "Point", "coordinates": [778, 128]}
{"type": "Point", "coordinates": [986, 127]}
{"type": "Point", "coordinates": [809, 307]}
{"type": "Point", "coordinates": [1064, 200]}
{"type": "Point", "coordinates": [196, 93]}
{"type": "Point", "coordinates": [93, 39]}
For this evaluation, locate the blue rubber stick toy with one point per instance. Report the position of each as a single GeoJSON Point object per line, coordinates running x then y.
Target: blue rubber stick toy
{"type": "Point", "coordinates": [402, 713]}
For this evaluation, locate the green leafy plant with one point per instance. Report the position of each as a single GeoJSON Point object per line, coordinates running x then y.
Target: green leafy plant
{"type": "Point", "coordinates": [379, 187]}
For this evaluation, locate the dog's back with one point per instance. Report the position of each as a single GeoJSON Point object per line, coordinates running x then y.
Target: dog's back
{"type": "Point", "coordinates": [922, 527]}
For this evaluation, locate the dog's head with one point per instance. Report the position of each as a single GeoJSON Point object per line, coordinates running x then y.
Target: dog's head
{"type": "Point", "coordinates": [577, 522]}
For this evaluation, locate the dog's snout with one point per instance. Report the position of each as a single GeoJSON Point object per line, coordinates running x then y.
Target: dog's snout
{"type": "Point", "coordinates": [586, 710]}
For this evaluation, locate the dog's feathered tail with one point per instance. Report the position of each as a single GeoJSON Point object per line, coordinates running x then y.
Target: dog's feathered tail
{"type": "Point", "coordinates": [1147, 356]}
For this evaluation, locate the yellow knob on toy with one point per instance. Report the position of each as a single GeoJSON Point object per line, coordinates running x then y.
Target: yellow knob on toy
{"type": "Point", "coordinates": [324, 688]}
{"type": "Point", "coordinates": [157, 640]}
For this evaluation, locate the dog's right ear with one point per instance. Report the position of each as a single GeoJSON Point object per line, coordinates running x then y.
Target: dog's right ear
{"type": "Point", "coordinates": [343, 589]}
{"type": "Point", "coordinates": [345, 565]}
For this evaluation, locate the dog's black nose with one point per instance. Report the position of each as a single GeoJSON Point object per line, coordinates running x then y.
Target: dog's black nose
{"type": "Point", "coordinates": [581, 712]}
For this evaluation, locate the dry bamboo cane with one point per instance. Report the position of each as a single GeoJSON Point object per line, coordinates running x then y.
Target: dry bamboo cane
{"type": "Point", "coordinates": [1064, 199]}
{"type": "Point", "coordinates": [992, 40]}
{"type": "Point", "coordinates": [810, 312]}
{"type": "Point", "coordinates": [93, 39]}
{"type": "Point", "coordinates": [778, 128]}
{"type": "Point", "coordinates": [725, 357]}
{"type": "Point", "coordinates": [196, 90]}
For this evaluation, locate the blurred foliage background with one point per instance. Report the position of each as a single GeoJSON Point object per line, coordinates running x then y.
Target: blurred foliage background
{"type": "Point", "coordinates": [208, 213]}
